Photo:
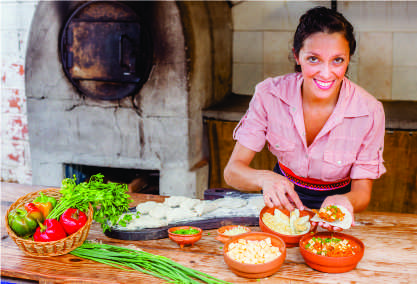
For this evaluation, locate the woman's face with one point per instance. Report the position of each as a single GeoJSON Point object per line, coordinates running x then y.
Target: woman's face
{"type": "Point", "coordinates": [324, 59]}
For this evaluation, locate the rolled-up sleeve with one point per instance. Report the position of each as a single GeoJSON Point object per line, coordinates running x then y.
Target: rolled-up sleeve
{"type": "Point", "coordinates": [250, 132]}
{"type": "Point", "coordinates": [369, 162]}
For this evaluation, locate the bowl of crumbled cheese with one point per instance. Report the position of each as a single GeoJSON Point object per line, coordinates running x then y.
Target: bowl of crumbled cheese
{"type": "Point", "coordinates": [225, 233]}
{"type": "Point", "coordinates": [255, 254]}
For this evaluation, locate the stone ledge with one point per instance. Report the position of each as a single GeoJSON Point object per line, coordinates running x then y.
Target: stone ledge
{"type": "Point", "coordinates": [399, 115]}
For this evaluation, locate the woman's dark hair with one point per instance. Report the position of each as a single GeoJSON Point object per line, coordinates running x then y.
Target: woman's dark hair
{"type": "Point", "coordinates": [322, 19]}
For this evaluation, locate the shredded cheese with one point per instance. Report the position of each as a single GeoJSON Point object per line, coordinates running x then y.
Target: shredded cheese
{"type": "Point", "coordinates": [235, 231]}
{"type": "Point", "coordinates": [253, 252]}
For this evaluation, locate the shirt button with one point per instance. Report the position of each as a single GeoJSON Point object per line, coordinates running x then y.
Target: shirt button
{"type": "Point", "coordinates": [276, 146]}
{"type": "Point", "coordinates": [339, 162]}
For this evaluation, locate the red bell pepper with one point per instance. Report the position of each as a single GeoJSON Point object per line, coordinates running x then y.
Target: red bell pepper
{"type": "Point", "coordinates": [50, 230]}
{"type": "Point", "coordinates": [34, 212]}
{"type": "Point", "coordinates": [72, 220]}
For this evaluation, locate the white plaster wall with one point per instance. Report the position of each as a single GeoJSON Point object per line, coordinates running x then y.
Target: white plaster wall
{"type": "Point", "coordinates": [385, 62]}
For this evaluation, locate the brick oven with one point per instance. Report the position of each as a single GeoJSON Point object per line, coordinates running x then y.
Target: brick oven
{"type": "Point", "coordinates": [150, 122]}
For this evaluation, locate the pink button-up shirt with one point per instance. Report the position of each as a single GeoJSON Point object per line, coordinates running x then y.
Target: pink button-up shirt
{"type": "Point", "coordinates": [350, 144]}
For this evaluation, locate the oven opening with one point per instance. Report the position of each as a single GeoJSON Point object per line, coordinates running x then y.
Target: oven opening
{"type": "Point", "coordinates": [138, 181]}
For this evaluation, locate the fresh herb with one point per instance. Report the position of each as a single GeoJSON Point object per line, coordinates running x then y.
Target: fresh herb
{"type": "Point", "coordinates": [190, 231]}
{"type": "Point", "coordinates": [109, 200]}
{"type": "Point", "coordinates": [156, 265]}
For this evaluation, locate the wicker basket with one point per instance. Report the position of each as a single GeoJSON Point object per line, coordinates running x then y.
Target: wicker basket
{"type": "Point", "coordinates": [54, 248]}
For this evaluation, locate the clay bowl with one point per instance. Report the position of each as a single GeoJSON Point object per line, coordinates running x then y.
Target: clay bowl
{"type": "Point", "coordinates": [184, 239]}
{"type": "Point", "coordinates": [332, 264]}
{"type": "Point", "coordinates": [290, 240]}
{"type": "Point", "coordinates": [224, 238]}
{"type": "Point", "coordinates": [256, 270]}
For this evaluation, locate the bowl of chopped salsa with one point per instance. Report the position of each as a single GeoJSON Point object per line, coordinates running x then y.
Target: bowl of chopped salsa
{"type": "Point", "coordinates": [331, 252]}
{"type": "Point", "coordinates": [185, 235]}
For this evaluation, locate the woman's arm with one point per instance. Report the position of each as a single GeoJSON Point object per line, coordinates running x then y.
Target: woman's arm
{"type": "Point", "coordinates": [360, 194]}
{"type": "Point", "coordinates": [237, 172]}
{"type": "Point", "coordinates": [277, 190]}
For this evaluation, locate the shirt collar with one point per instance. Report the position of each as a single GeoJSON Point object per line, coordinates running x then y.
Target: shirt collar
{"type": "Point", "coordinates": [351, 103]}
{"type": "Point", "coordinates": [286, 93]}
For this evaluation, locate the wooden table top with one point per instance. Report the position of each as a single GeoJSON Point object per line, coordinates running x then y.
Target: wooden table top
{"type": "Point", "coordinates": [390, 253]}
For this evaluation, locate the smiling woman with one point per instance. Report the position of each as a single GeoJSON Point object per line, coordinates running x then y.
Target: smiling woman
{"type": "Point", "coordinates": [326, 132]}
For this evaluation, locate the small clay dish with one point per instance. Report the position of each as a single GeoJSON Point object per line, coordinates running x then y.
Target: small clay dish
{"type": "Point", "coordinates": [290, 240]}
{"type": "Point", "coordinates": [332, 264]}
{"type": "Point", "coordinates": [184, 239]}
{"type": "Point", "coordinates": [224, 237]}
{"type": "Point", "coordinates": [255, 271]}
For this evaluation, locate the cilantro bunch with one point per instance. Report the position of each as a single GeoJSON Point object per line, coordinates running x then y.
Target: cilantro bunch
{"type": "Point", "coordinates": [109, 200]}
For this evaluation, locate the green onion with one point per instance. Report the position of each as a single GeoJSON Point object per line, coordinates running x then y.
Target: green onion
{"type": "Point", "coordinates": [155, 265]}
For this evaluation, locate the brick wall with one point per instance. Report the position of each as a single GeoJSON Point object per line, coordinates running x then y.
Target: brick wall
{"type": "Point", "coordinates": [15, 22]}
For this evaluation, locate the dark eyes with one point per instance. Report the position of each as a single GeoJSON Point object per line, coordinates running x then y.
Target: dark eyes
{"type": "Point", "coordinates": [314, 59]}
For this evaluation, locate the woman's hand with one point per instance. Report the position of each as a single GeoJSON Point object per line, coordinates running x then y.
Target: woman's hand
{"type": "Point", "coordinates": [279, 192]}
{"type": "Point", "coordinates": [341, 200]}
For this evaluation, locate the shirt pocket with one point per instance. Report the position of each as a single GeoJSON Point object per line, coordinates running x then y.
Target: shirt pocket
{"type": "Point", "coordinates": [281, 147]}
{"type": "Point", "coordinates": [337, 165]}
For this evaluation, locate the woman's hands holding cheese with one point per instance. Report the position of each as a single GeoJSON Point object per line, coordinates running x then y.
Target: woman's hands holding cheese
{"type": "Point", "coordinates": [279, 192]}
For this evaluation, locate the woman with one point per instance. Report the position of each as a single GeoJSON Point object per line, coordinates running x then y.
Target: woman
{"type": "Point", "coordinates": [326, 131]}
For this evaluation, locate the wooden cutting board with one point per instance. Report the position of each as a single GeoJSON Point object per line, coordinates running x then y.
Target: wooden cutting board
{"type": "Point", "coordinates": [206, 224]}
{"type": "Point", "coordinates": [162, 232]}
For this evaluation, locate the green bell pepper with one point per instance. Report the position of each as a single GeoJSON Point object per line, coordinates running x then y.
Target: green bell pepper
{"type": "Point", "coordinates": [42, 198]}
{"type": "Point", "coordinates": [21, 223]}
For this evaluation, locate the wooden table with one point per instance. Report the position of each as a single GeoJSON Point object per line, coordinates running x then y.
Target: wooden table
{"type": "Point", "coordinates": [390, 256]}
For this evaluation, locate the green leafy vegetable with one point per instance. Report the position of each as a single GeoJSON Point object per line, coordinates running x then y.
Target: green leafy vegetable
{"type": "Point", "coordinates": [156, 265]}
{"type": "Point", "coordinates": [109, 200]}
{"type": "Point", "coordinates": [189, 231]}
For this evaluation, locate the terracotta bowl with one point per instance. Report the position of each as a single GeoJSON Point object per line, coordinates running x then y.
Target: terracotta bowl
{"type": "Point", "coordinates": [256, 270]}
{"type": "Point", "coordinates": [224, 238]}
{"type": "Point", "coordinates": [184, 239]}
{"type": "Point", "coordinates": [290, 240]}
{"type": "Point", "coordinates": [332, 264]}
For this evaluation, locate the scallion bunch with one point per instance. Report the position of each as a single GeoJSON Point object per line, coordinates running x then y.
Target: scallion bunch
{"type": "Point", "coordinates": [156, 265]}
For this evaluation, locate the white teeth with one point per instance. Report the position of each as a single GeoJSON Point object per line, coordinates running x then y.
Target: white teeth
{"type": "Point", "coordinates": [323, 84]}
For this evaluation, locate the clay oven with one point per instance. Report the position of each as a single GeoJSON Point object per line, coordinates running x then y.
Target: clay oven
{"type": "Point", "coordinates": [144, 113]}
